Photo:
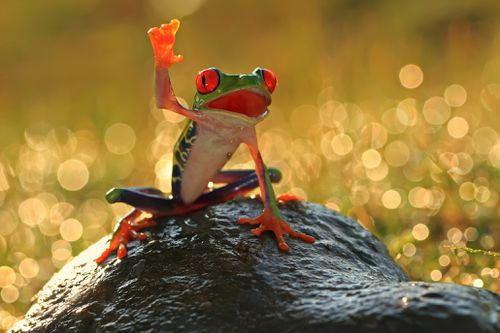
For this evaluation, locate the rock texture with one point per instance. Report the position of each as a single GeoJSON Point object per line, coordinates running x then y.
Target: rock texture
{"type": "Point", "coordinates": [204, 273]}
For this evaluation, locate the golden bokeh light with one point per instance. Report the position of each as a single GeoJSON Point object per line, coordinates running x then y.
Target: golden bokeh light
{"type": "Point", "coordinates": [454, 235]}
{"type": "Point", "coordinates": [120, 138]}
{"type": "Point", "coordinates": [32, 211]}
{"type": "Point", "coordinates": [391, 199]}
{"type": "Point", "coordinates": [490, 97]}
{"type": "Point", "coordinates": [371, 158]}
{"type": "Point", "coordinates": [436, 111]}
{"type": "Point", "coordinates": [411, 76]}
{"type": "Point", "coordinates": [7, 276]}
{"type": "Point", "coordinates": [478, 283]}
{"type": "Point", "coordinates": [420, 232]}
{"type": "Point", "coordinates": [73, 175]}
{"type": "Point", "coordinates": [359, 195]}
{"type": "Point", "coordinates": [494, 155]}
{"type": "Point", "coordinates": [333, 114]}
{"type": "Point", "coordinates": [409, 249]}
{"type": "Point", "coordinates": [467, 191]}
{"type": "Point", "coordinates": [342, 144]}
{"type": "Point", "coordinates": [71, 230]}
{"type": "Point", "coordinates": [406, 112]}
{"type": "Point", "coordinates": [374, 134]}
{"type": "Point", "coordinates": [420, 197]}
{"type": "Point", "coordinates": [458, 127]}
{"type": "Point", "coordinates": [436, 275]}
{"type": "Point", "coordinates": [29, 268]}
{"type": "Point", "coordinates": [9, 222]}
{"type": "Point", "coordinates": [61, 250]}
{"type": "Point", "coordinates": [471, 234]}
{"type": "Point", "coordinates": [455, 95]}
{"type": "Point", "coordinates": [482, 193]}
{"type": "Point", "coordinates": [397, 153]}
{"type": "Point", "coordinates": [444, 260]}
{"type": "Point", "coordinates": [487, 242]}
{"type": "Point", "coordinates": [378, 173]}
{"type": "Point", "coordinates": [484, 139]}
{"type": "Point", "coordinates": [9, 294]}
{"type": "Point", "coordinates": [4, 183]}
{"type": "Point", "coordinates": [333, 203]}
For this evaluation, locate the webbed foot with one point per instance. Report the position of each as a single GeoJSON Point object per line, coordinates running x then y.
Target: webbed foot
{"type": "Point", "coordinates": [267, 221]}
{"type": "Point", "coordinates": [127, 229]}
{"type": "Point", "coordinates": [162, 40]}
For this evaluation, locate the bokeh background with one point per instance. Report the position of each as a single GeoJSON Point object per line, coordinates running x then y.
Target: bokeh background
{"type": "Point", "coordinates": [387, 111]}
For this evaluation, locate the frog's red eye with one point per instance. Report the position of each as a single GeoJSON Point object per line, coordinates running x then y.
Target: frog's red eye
{"type": "Point", "coordinates": [207, 80]}
{"type": "Point", "coordinates": [270, 79]}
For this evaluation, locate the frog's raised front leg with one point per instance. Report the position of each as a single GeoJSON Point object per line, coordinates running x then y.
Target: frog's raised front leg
{"type": "Point", "coordinates": [271, 218]}
{"type": "Point", "coordinates": [162, 40]}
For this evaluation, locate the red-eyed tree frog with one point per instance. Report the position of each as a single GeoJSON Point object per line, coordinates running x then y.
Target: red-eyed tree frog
{"type": "Point", "coordinates": [225, 111]}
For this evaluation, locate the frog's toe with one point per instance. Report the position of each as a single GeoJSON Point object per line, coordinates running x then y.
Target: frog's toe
{"type": "Point", "coordinates": [286, 197]}
{"type": "Point", "coordinates": [127, 231]}
{"type": "Point", "coordinates": [114, 195]}
{"type": "Point", "coordinates": [122, 251]}
{"type": "Point", "coordinates": [275, 175]}
{"type": "Point", "coordinates": [246, 220]}
{"type": "Point", "coordinates": [154, 33]}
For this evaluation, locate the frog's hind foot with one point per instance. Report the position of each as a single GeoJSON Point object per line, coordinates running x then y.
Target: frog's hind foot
{"type": "Point", "coordinates": [267, 221]}
{"type": "Point", "coordinates": [287, 197]}
{"type": "Point", "coordinates": [127, 229]}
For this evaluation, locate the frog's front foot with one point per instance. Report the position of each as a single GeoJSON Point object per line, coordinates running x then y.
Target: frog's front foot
{"type": "Point", "coordinates": [268, 221]}
{"type": "Point", "coordinates": [128, 228]}
{"type": "Point", "coordinates": [162, 40]}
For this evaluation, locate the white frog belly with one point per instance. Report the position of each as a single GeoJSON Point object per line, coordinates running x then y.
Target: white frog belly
{"type": "Point", "coordinates": [208, 155]}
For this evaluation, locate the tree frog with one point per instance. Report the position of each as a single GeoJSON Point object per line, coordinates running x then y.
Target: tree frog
{"type": "Point", "coordinates": [225, 111]}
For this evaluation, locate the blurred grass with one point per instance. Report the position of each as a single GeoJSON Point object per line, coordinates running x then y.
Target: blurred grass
{"type": "Point", "coordinates": [419, 167]}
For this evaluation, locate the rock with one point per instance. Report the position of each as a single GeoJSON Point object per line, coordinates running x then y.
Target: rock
{"type": "Point", "coordinates": [204, 273]}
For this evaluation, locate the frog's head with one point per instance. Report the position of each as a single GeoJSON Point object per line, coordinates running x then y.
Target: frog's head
{"type": "Point", "coordinates": [235, 97]}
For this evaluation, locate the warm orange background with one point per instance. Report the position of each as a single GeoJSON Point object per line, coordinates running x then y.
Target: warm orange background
{"type": "Point", "coordinates": [385, 110]}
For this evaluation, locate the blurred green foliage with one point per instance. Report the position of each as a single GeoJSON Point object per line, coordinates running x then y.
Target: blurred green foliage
{"type": "Point", "coordinates": [351, 125]}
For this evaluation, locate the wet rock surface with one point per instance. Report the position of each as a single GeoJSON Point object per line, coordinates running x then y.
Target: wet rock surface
{"type": "Point", "coordinates": [204, 273]}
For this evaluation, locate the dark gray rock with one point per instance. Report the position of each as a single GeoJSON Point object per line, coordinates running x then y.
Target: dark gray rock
{"type": "Point", "coordinates": [204, 273]}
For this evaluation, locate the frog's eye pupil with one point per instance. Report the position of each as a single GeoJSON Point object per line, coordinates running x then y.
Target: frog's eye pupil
{"type": "Point", "coordinates": [207, 80]}
{"type": "Point", "coordinates": [269, 79]}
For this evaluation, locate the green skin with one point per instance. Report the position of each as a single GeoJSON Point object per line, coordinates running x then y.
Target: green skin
{"type": "Point", "coordinates": [218, 123]}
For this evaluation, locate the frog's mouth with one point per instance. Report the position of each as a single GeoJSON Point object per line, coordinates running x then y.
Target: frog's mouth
{"type": "Point", "coordinates": [249, 102]}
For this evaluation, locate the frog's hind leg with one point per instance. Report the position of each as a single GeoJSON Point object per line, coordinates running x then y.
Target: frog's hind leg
{"type": "Point", "coordinates": [126, 229]}
{"type": "Point", "coordinates": [238, 182]}
{"type": "Point", "coordinates": [230, 176]}
{"type": "Point", "coordinates": [153, 201]}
